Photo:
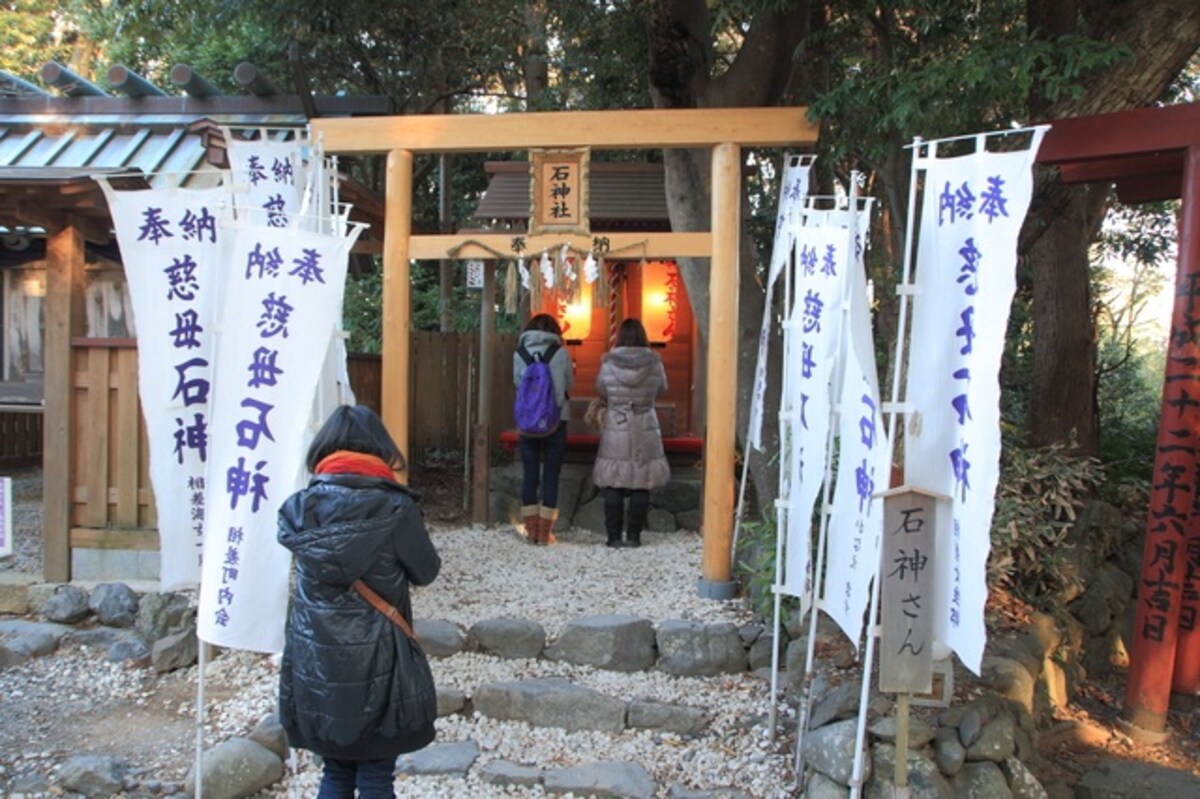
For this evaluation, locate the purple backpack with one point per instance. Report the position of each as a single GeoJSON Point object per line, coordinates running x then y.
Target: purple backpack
{"type": "Point", "coordinates": [536, 407]}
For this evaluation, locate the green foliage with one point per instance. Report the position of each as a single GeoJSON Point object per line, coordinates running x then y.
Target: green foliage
{"type": "Point", "coordinates": [150, 37]}
{"type": "Point", "coordinates": [754, 564]}
{"type": "Point", "coordinates": [1037, 499]}
{"type": "Point", "coordinates": [1135, 252]}
{"type": "Point", "coordinates": [1129, 393]}
{"type": "Point", "coordinates": [362, 315]}
{"type": "Point", "coordinates": [938, 68]}
{"type": "Point", "coordinates": [33, 32]}
{"type": "Point", "coordinates": [1142, 234]}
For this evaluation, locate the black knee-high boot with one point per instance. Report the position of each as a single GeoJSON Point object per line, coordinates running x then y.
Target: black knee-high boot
{"type": "Point", "coordinates": [639, 508]}
{"type": "Point", "coordinates": [614, 515]}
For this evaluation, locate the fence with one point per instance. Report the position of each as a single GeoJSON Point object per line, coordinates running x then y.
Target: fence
{"type": "Point", "coordinates": [111, 504]}
{"type": "Point", "coordinates": [444, 387]}
{"type": "Point", "coordinates": [109, 495]}
{"type": "Point", "coordinates": [21, 437]}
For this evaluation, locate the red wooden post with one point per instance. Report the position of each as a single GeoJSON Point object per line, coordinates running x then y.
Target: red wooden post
{"type": "Point", "coordinates": [1174, 505]}
{"type": "Point", "coordinates": [1186, 678]}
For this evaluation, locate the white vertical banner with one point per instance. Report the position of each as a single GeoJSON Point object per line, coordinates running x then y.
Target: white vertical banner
{"type": "Point", "coordinates": [972, 211]}
{"type": "Point", "coordinates": [171, 243]}
{"type": "Point", "coordinates": [823, 255]}
{"type": "Point", "coordinates": [856, 519]}
{"type": "Point", "coordinates": [270, 177]}
{"type": "Point", "coordinates": [792, 191]}
{"type": "Point", "coordinates": [281, 304]}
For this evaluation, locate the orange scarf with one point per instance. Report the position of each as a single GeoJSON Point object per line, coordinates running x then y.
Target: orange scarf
{"type": "Point", "coordinates": [345, 461]}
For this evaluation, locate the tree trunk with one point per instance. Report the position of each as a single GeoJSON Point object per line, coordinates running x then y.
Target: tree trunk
{"type": "Point", "coordinates": [1062, 221]}
{"type": "Point", "coordinates": [1062, 406]}
{"type": "Point", "coordinates": [681, 64]}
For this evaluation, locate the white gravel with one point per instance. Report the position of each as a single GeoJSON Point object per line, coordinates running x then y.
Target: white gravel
{"type": "Point", "coordinates": [486, 572]}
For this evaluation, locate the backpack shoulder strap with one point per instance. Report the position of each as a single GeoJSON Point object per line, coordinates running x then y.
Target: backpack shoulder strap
{"type": "Point", "coordinates": [526, 356]}
{"type": "Point", "coordinates": [549, 353]}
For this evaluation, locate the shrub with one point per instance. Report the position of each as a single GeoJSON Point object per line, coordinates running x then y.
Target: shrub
{"type": "Point", "coordinates": [1037, 499]}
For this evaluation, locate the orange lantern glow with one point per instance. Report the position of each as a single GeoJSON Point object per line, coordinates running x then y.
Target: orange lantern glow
{"type": "Point", "coordinates": [575, 317]}
{"type": "Point", "coordinates": [660, 300]}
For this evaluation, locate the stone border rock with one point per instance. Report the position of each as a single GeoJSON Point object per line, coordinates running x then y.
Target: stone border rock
{"type": "Point", "coordinates": [980, 749]}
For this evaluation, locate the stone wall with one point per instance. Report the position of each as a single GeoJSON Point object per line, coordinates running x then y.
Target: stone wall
{"type": "Point", "coordinates": [675, 506]}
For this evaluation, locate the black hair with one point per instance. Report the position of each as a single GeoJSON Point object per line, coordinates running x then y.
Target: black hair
{"type": "Point", "coordinates": [356, 428]}
{"type": "Point", "coordinates": [544, 321]}
{"type": "Point", "coordinates": [631, 333]}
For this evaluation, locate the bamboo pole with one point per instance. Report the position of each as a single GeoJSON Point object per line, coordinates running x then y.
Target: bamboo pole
{"type": "Point", "coordinates": [721, 390]}
{"type": "Point", "coordinates": [397, 300]}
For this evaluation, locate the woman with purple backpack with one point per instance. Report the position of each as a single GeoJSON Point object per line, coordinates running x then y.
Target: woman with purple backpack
{"type": "Point", "coordinates": [542, 373]}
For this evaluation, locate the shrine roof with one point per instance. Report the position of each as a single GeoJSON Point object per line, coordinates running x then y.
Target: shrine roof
{"type": "Point", "coordinates": [620, 194]}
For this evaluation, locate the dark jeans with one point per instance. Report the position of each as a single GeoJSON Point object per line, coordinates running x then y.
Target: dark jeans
{"type": "Point", "coordinates": [373, 778]}
{"type": "Point", "coordinates": [546, 451]}
{"type": "Point", "coordinates": [614, 510]}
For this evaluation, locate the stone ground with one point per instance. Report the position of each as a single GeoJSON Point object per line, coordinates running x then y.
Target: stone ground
{"type": "Point", "coordinates": [150, 719]}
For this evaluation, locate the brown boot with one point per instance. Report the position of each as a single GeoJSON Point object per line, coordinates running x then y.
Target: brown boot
{"type": "Point", "coordinates": [546, 526]}
{"type": "Point", "coordinates": [532, 522]}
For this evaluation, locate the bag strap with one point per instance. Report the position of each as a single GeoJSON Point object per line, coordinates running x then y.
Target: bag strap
{"type": "Point", "coordinates": [381, 605]}
{"type": "Point", "coordinates": [542, 357]}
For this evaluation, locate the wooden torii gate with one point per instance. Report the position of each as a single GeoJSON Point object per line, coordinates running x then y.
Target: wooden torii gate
{"type": "Point", "coordinates": [723, 131]}
{"type": "Point", "coordinates": [1154, 154]}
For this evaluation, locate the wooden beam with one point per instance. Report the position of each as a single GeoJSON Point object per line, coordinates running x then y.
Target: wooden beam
{"type": "Point", "coordinates": [1150, 188]}
{"type": "Point", "coordinates": [1168, 163]}
{"type": "Point", "coordinates": [497, 245]}
{"type": "Point", "coordinates": [612, 130]}
{"type": "Point", "coordinates": [721, 387]}
{"type": "Point", "coordinates": [397, 300]}
{"type": "Point", "coordinates": [65, 315]}
{"type": "Point", "coordinates": [114, 538]}
{"type": "Point", "coordinates": [1137, 131]}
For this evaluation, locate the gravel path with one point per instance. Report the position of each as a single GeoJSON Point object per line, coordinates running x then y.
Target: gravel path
{"type": "Point", "coordinates": [75, 702]}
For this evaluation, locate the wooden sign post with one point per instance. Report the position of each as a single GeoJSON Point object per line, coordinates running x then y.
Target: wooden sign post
{"type": "Point", "coordinates": [906, 606]}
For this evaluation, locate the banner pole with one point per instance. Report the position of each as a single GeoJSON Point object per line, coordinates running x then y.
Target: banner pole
{"type": "Point", "coordinates": [202, 662]}
{"type": "Point", "coordinates": [782, 508]}
{"type": "Point", "coordinates": [805, 700]}
{"type": "Point", "coordinates": [890, 412]}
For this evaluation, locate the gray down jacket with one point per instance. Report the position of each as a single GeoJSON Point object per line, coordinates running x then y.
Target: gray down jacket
{"type": "Point", "coordinates": [631, 451]}
{"type": "Point", "coordinates": [352, 685]}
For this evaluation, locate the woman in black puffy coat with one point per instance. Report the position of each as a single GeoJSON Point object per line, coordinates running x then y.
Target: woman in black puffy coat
{"type": "Point", "coordinates": [353, 686]}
